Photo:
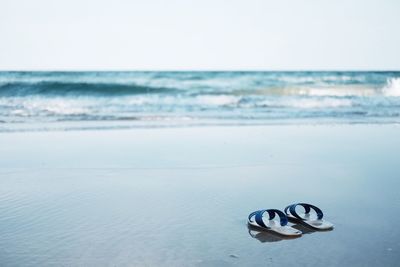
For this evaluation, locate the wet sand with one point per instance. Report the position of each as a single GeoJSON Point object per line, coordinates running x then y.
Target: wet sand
{"type": "Point", "coordinates": [180, 196]}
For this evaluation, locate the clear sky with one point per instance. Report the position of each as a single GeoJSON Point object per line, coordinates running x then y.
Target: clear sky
{"type": "Point", "coordinates": [200, 35]}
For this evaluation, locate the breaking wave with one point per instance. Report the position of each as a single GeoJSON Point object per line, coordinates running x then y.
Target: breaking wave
{"type": "Point", "coordinates": [170, 97]}
{"type": "Point", "coordinates": [46, 88]}
{"type": "Point", "coordinates": [392, 87]}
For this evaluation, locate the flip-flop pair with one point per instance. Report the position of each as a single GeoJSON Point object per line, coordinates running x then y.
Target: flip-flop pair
{"type": "Point", "coordinates": [258, 220]}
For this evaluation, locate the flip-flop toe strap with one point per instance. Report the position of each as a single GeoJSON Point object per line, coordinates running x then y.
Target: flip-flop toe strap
{"type": "Point", "coordinates": [307, 208]}
{"type": "Point", "coordinates": [283, 220]}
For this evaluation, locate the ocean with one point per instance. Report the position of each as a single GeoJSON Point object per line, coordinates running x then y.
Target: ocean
{"type": "Point", "coordinates": [40, 101]}
{"type": "Point", "coordinates": [73, 192]}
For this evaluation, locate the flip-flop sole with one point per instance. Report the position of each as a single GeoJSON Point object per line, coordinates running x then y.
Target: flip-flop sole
{"type": "Point", "coordinates": [281, 230]}
{"type": "Point", "coordinates": [320, 225]}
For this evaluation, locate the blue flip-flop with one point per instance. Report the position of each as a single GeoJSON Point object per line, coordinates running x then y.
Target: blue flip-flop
{"type": "Point", "coordinates": [256, 219]}
{"type": "Point", "coordinates": [306, 218]}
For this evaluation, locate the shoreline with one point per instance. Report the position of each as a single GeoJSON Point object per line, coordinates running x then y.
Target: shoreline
{"type": "Point", "coordinates": [100, 125]}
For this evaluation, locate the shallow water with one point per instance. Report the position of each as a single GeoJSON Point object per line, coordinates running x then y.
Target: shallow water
{"type": "Point", "coordinates": [97, 100]}
{"type": "Point", "coordinates": [180, 197]}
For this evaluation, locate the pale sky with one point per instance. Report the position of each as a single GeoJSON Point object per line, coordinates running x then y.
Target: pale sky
{"type": "Point", "coordinates": [200, 35]}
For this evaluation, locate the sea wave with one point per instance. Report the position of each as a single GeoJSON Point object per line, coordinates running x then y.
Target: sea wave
{"type": "Point", "coordinates": [334, 91]}
{"type": "Point", "coordinates": [169, 97]}
{"type": "Point", "coordinates": [392, 87]}
{"type": "Point", "coordinates": [317, 103]}
{"type": "Point", "coordinates": [76, 88]}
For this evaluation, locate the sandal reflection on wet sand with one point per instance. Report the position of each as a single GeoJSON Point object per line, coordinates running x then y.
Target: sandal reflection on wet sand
{"type": "Point", "coordinates": [266, 236]}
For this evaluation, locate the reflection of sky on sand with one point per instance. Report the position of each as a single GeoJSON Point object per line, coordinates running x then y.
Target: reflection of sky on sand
{"type": "Point", "coordinates": [182, 196]}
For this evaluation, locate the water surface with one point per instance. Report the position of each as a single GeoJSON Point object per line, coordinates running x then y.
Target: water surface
{"type": "Point", "coordinates": [103, 100]}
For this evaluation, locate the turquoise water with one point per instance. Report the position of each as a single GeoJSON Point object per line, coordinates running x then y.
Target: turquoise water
{"type": "Point", "coordinates": [68, 100]}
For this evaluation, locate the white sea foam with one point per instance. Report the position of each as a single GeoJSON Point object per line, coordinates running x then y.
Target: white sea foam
{"type": "Point", "coordinates": [55, 106]}
{"type": "Point", "coordinates": [19, 113]}
{"type": "Point", "coordinates": [306, 103]}
{"type": "Point", "coordinates": [338, 91]}
{"type": "Point", "coordinates": [320, 79]}
{"type": "Point", "coordinates": [218, 100]}
{"type": "Point", "coordinates": [342, 92]}
{"type": "Point", "coordinates": [64, 109]}
{"type": "Point", "coordinates": [319, 103]}
{"type": "Point", "coordinates": [392, 87]}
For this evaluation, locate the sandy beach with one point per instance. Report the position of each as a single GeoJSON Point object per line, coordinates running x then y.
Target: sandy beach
{"type": "Point", "coordinates": [180, 196]}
